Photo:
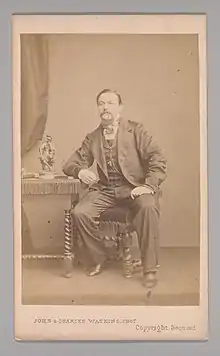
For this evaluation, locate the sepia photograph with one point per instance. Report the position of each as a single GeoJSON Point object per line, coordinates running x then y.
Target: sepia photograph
{"type": "Point", "coordinates": [110, 202]}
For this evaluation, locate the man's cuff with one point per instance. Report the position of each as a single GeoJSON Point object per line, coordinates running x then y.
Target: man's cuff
{"type": "Point", "coordinates": [153, 191]}
{"type": "Point", "coordinates": [78, 170]}
{"type": "Point", "coordinates": [78, 173]}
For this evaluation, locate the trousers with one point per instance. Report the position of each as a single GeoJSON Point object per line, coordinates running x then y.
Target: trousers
{"type": "Point", "coordinates": [145, 212]}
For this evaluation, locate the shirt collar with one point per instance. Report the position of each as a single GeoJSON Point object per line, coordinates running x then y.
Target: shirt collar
{"type": "Point", "coordinates": [111, 131]}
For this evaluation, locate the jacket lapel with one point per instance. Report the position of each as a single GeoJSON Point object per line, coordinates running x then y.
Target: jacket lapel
{"type": "Point", "coordinates": [98, 151]}
{"type": "Point", "coordinates": [123, 139]}
{"type": "Point", "coordinates": [123, 145]}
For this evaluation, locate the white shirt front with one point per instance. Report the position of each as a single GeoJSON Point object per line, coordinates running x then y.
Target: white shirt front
{"type": "Point", "coordinates": [110, 132]}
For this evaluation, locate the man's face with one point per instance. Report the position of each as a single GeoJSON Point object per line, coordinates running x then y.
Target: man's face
{"type": "Point", "coordinates": [109, 108]}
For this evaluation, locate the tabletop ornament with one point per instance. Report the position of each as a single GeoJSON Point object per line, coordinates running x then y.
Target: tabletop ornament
{"type": "Point", "coordinates": [47, 157]}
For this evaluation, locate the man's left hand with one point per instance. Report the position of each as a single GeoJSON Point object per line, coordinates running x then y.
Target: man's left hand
{"type": "Point", "coordinates": [136, 192]}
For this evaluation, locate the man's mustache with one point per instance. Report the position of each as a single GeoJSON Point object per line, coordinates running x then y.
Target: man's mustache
{"type": "Point", "coordinates": [106, 120]}
{"type": "Point", "coordinates": [105, 112]}
{"type": "Point", "coordinates": [106, 116]}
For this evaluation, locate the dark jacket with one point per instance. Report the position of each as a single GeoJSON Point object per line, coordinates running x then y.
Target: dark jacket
{"type": "Point", "coordinates": [140, 158]}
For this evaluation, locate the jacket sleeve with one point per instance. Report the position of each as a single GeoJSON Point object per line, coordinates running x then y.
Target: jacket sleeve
{"type": "Point", "coordinates": [153, 161]}
{"type": "Point", "coordinates": [80, 159]}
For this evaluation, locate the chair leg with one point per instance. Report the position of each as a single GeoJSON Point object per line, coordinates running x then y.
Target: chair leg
{"type": "Point", "coordinates": [137, 264]}
{"type": "Point", "coordinates": [68, 256]}
{"type": "Point", "coordinates": [119, 252]}
{"type": "Point", "coordinates": [127, 257]}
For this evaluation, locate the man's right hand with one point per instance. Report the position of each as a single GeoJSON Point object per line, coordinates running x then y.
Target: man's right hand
{"type": "Point", "coordinates": [87, 176]}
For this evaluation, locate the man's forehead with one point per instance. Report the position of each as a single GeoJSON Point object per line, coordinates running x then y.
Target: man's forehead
{"type": "Point", "coordinates": [108, 96]}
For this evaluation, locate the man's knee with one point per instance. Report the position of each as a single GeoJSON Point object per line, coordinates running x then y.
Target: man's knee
{"type": "Point", "coordinates": [78, 212]}
{"type": "Point", "coordinates": [83, 211]}
{"type": "Point", "coordinates": [145, 201]}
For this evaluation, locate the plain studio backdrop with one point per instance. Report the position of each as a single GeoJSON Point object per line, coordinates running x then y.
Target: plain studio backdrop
{"type": "Point", "coordinates": [158, 78]}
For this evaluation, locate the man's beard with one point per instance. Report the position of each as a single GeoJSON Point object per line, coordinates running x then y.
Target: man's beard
{"type": "Point", "coordinates": [106, 119]}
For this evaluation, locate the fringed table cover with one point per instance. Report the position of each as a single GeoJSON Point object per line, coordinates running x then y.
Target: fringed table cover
{"type": "Point", "coordinates": [54, 186]}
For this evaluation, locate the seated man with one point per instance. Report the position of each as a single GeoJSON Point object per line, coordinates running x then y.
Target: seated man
{"type": "Point", "coordinates": [130, 169]}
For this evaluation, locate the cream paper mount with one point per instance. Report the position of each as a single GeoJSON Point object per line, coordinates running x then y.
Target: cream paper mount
{"type": "Point", "coordinates": [158, 65]}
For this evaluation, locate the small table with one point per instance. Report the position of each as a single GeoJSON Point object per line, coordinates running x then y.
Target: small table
{"type": "Point", "coordinates": [57, 186]}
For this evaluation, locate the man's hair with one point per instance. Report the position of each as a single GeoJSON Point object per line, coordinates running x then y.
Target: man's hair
{"type": "Point", "coordinates": [110, 91]}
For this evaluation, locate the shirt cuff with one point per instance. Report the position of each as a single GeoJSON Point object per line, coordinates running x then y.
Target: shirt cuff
{"type": "Point", "coordinates": [151, 188]}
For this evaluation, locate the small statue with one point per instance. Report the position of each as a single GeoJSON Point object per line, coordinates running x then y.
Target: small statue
{"type": "Point", "coordinates": [47, 155]}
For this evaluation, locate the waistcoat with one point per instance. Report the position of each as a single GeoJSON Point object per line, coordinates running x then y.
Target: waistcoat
{"type": "Point", "coordinates": [115, 176]}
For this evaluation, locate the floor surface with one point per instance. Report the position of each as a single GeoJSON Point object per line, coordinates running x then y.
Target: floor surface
{"type": "Point", "coordinates": [44, 283]}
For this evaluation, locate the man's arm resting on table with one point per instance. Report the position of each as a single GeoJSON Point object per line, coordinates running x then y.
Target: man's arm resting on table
{"type": "Point", "coordinates": [81, 159]}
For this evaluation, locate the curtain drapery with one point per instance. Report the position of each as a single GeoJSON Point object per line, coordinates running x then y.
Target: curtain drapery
{"type": "Point", "coordinates": [34, 98]}
{"type": "Point", "coordinates": [34, 89]}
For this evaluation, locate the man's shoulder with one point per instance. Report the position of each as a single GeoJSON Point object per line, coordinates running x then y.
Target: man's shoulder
{"type": "Point", "coordinates": [93, 132]}
{"type": "Point", "coordinates": [135, 125]}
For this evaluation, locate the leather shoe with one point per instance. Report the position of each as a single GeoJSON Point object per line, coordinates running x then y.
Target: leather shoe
{"type": "Point", "coordinates": [96, 270]}
{"type": "Point", "coordinates": [150, 280]}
